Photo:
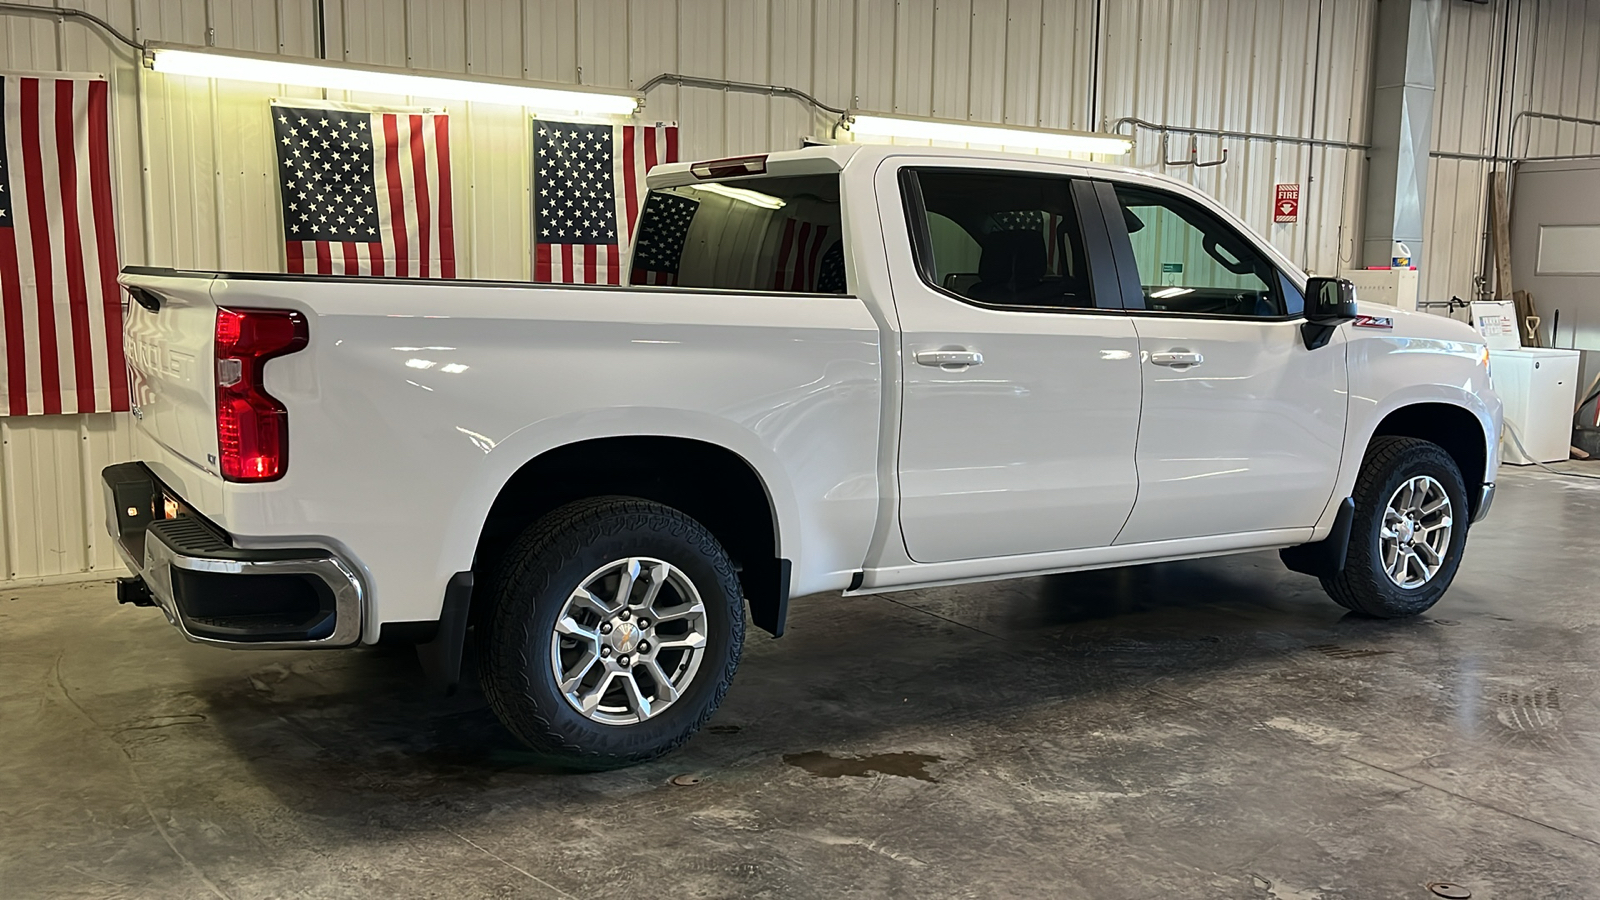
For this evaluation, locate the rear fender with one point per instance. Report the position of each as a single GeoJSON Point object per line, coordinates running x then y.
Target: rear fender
{"type": "Point", "coordinates": [503, 458]}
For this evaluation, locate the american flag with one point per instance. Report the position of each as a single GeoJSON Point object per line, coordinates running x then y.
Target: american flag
{"type": "Point", "coordinates": [61, 343]}
{"type": "Point", "coordinates": [365, 191]}
{"type": "Point", "coordinates": [830, 279]}
{"type": "Point", "coordinates": [588, 185]}
{"type": "Point", "coordinates": [662, 230]}
{"type": "Point", "coordinates": [1047, 224]}
{"type": "Point", "coordinates": [800, 255]}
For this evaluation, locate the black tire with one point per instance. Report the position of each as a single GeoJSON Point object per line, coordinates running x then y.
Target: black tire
{"type": "Point", "coordinates": [1364, 586]}
{"type": "Point", "coordinates": [542, 570]}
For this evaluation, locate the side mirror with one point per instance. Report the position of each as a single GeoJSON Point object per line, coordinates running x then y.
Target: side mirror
{"type": "Point", "coordinates": [1330, 302]}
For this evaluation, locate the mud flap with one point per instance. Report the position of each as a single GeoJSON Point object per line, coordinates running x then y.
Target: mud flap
{"type": "Point", "coordinates": [441, 657]}
{"type": "Point", "coordinates": [1324, 558]}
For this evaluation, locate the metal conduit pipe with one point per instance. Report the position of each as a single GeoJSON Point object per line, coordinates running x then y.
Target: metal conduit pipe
{"type": "Point", "coordinates": [61, 13]}
{"type": "Point", "coordinates": [748, 87]}
{"type": "Point", "coordinates": [1138, 123]}
{"type": "Point", "coordinates": [1516, 120]}
{"type": "Point", "coordinates": [1484, 157]}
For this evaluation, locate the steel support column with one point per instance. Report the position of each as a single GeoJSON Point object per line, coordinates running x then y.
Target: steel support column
{"type": "Point", "coordinates": [1401, 129]}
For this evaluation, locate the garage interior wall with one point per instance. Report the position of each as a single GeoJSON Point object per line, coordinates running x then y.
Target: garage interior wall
{"type": "Point", "coordinates": [1497, 60]}
{"type": "Point", "coordinates": [195, 172]}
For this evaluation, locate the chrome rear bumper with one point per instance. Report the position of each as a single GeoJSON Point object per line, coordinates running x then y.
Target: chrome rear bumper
{"type": "Point", "coordinates": [216, 593]}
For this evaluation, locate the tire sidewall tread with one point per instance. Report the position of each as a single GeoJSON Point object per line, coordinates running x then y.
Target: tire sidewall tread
{"type": "Point", "coordinates": [1363, 586]}
{"type": "Point", "coordinates": [540, 570]}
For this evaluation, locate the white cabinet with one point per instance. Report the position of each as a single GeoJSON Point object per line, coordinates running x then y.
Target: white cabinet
{"type": "Point", "coordinates": [1391, 287]}
{"type": "Point", "coordinates": [1539, 388]}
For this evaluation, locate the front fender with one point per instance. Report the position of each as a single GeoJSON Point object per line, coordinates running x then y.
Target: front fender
{"type": "Point", "coordinates": [1405, 366]}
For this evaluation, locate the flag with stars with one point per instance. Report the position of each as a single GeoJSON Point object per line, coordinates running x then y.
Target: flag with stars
{"type": "Point", "coordinates": [1047, 224]}
{"type": "Point", "coordinates": [366, 191]}
{"type": "Point", "coordinates": [60, 307]}
{"type": "Point", "coordinates": [589, 183]}
{"type": "Point", "coordinates": [662, 230]}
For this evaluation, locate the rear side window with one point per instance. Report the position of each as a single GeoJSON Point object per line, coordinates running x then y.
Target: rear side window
{"type": "Point", "coordinates": [1003, 239]}
{"type": "Point", "coordinates": [762, 234]}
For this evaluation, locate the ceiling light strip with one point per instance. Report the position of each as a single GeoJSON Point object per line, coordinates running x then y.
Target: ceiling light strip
{"type": "Point", "coordinates": [277, 70]}
{"type": "Point", "coordinates": [947, 130]}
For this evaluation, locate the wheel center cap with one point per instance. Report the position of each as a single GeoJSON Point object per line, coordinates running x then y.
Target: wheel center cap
{"type": "Point", "coordinates": [624, 637]}
{"type": "Point", "coordinates": [1408, 530]}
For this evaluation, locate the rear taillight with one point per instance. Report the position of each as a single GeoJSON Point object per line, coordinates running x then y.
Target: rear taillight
{"type": "Point", "coordinates": [252, 426]}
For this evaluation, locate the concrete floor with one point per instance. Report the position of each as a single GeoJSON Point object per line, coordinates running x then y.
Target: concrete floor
{"type": "Point", "coordinates": [1205, 729]}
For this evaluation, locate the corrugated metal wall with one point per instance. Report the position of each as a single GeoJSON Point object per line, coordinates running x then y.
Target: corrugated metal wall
{"type": "Point", "coordinates": [196, 183]}
{"type": "Point", "coordinates": [1498, 60]}
{"type": "Point", "coordinates": [1295, 69]}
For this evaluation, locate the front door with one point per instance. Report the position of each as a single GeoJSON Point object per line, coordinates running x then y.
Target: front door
{"type": "Point", "coordinates": [1021, 392]}
{"type": "Point", "coordinates": [1242, 427]}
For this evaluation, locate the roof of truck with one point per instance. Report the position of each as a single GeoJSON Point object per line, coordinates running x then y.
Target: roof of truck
{"type": "Point", "coordinates": [834, 157]}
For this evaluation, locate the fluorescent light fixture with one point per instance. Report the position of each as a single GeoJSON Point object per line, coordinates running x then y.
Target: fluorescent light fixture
{"type": "Point", "coordinates": [404, 82]}
{"type": "Point", "coordinates": [454, 368]}
{"type": "Point", "coordinates": [754, 198]}
{"type": "Point", "coordinates": [994, 135]}
{"type": "Point", "coordinates": [1169, 293]}
{"type": "Point", "coordinates": [420, 364]}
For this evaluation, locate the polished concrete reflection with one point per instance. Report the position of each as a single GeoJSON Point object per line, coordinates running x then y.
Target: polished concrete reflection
{"type": "Point", "coordinates": [1205, 729]}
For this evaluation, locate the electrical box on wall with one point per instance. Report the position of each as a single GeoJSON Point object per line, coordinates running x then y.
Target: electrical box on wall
{"type": "Point", "coordinates": [1391, 287]}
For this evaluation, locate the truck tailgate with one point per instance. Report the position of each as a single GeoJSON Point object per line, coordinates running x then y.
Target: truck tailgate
{"type": "Point", "coordinates": [169, 338]}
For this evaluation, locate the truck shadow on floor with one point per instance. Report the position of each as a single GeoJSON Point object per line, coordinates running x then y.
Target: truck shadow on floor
{"type": "Point", "coordinates": [340, 731]}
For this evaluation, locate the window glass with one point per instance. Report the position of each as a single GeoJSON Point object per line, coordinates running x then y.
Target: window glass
{"type": "Point", "coordinates": [1294, 302]}
{"type": "Point", "coordinates": [1191, 261]}
{"type": "Point", "coordinates": [1009, 240]}
{"type": "Point", "coordinates": [752, 234]}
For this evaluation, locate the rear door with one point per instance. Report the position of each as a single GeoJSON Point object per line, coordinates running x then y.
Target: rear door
{"type": "Point", "coordinates": [169, 336]}
{"type": "Point", "coordinates": [1020, 374]}
{"type": "Point", "coordinates": [1242, 427]}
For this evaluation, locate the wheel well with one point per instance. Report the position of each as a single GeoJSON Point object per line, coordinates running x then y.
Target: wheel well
{"type": "Point", "coordinates": [1451, 427]}
{"type": "Point", "coordinates": [714, 485]}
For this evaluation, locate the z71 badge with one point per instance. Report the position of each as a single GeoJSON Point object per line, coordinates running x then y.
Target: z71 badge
{"type": "Point", "coordinates": [1374, 322]}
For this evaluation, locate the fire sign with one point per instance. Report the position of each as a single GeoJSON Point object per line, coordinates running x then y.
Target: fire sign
{"type": "Point", "coordinates": [1286, 207]}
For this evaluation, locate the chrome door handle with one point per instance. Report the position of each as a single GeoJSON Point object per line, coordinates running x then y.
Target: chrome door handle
{"type": "Point", "coordinates": [949, 358]}
{"type": "Point", "coordinates": [1177, 359]}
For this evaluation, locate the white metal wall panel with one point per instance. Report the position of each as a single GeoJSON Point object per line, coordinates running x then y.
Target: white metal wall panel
{"type": "Point", "coordinates": [652, 49]}
{"type": "Point", "coordinates": [549, 45]}
{"type": "Point", "coordinates": [1291, 66]}
{"type": "Point", "coordinates": [1066, 70]}
{"type": "Point", "coordinates": [789, 62]}
{"type": "Point", "coordinates": [494, 38]}
{"type": "Point", "coordinates": [913, 57]}
{"type": "Point", "coordinates": [1550, 54]}
{"type": "Point", "coordinates": [1248, 65]}
{"type": "Point", "coordinates": [1020, 70]}
{"type": "Point", "coordinates": [833, 51]}
{"type": "Point", "coordinates": [52, 521]}
{"type": "Point", "coordinates": [986, 65]}
{"type": "Point", "coordinates": [748, 120]}
{"type": "Point", "coordinates": [700, 52]}
{"type": "Point", "coordinates": [603, 43]}
{"type": "Point", "coordinates": [952, 58]}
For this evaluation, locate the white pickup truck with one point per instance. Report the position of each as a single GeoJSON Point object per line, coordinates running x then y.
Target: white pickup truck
{"type": "Point", "coordinates": [844, 368]}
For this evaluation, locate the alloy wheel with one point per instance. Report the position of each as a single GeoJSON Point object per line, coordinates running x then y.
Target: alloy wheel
{"type": "Point", "coordinates": [628, 641]}
{"type": "Point", "coordinates": [1416, 531]}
